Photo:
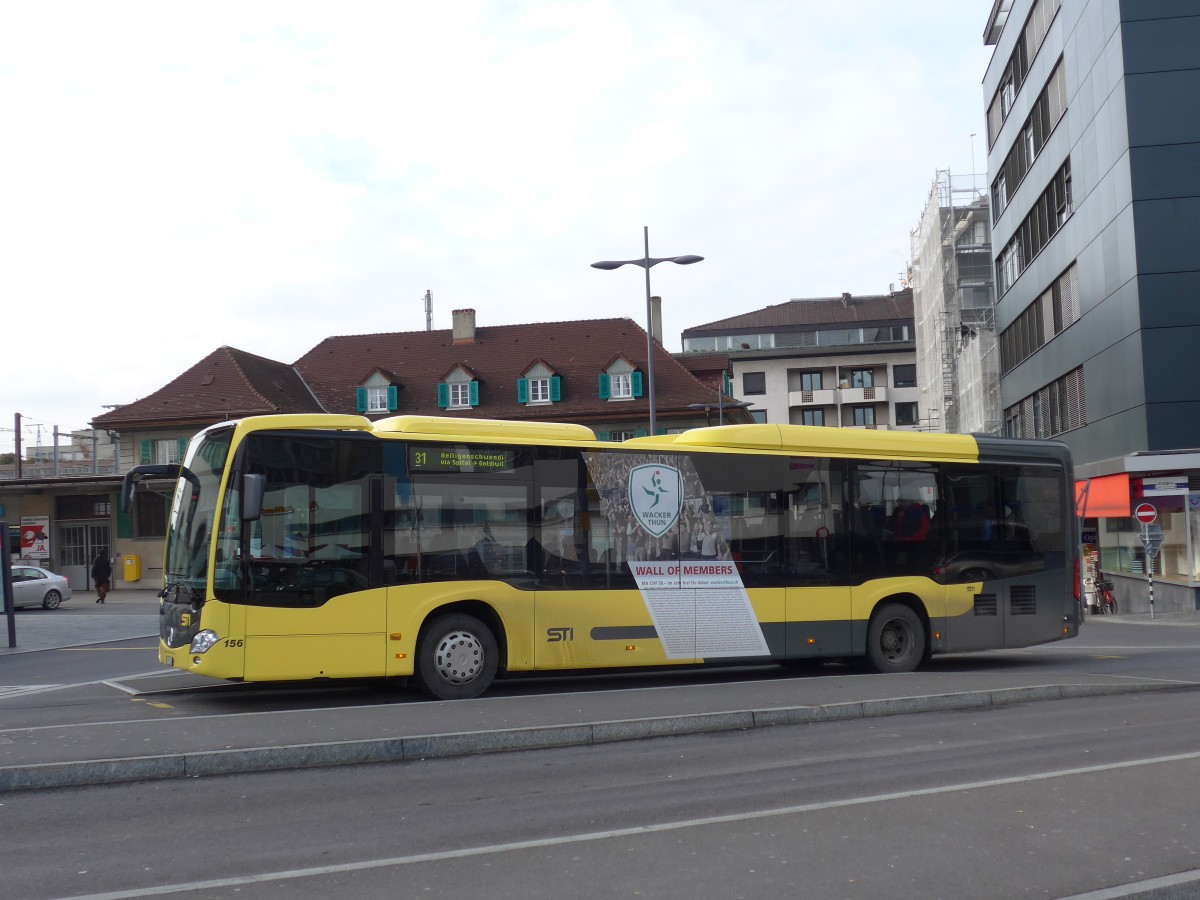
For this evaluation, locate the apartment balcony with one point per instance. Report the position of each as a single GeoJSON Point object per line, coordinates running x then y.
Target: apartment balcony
{"type": "Point", "coordinates": [812, 398]}
{"type": "Point", "coordinates": [864, 395]}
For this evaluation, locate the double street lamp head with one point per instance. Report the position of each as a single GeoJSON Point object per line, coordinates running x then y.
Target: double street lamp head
{"type": "Point", "coordinates": [646, 263]}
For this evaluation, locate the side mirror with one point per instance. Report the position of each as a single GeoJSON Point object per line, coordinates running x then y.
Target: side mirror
{"type": "Point", "coordinates": [137, 473]}
{"type": "Point", "coordinates": [254, 488]}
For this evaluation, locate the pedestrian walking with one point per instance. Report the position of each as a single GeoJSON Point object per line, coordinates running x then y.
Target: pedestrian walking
{"type": "Point", "coordinates": [101, 574]}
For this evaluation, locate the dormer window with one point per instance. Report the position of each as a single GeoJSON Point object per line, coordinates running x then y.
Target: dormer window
{"type": "Point", "coordinates": [539, 385]}
{"type": "Point", "coordinates": [459, 389]}
{"type": "Point", "coordinates": [379, 393]}
{"type": "Point", "coordinates": [620, 381]}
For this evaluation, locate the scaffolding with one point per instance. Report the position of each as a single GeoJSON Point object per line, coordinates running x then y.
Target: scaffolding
{"type": "Point", "coordinates": [951, 274]}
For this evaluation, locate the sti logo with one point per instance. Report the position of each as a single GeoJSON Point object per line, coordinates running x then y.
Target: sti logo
{"type": "Point", "coordinates": [656, 497]}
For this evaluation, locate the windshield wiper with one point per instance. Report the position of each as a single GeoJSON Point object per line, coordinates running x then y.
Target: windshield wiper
{"type": "Point", "coordinates": [178, 588]}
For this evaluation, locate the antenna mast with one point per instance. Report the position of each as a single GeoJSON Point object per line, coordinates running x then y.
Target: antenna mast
{"type": "Point", "coordinates": [428, 311]}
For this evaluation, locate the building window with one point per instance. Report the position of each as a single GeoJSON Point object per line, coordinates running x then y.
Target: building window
{"type": "Point", "coordinates": [1058, 407]}
{"type": "Point", "coordinates": [864, 415]}
{"type": "Point", "coordinates": [539, 389]}
{"type": "Point", "coordinates": [905, 375]}
{"type": "Point", "coordinates": [166, 453]}
{"type": "Point", "coordinates": [758, 416]}
{"type": "Point", "coordinates": [906, 414]}
{"type": "Point", "coordinates": [458, 394]}
{"type": "Point", "coordinates": [1033, 33]}
{"type": "Point", "coordinates": [163, 452]}
{"type": "Point", "coordinates": [150, 515]}
{"type": "Point", "coordinates": [1055, 309]}
{"type": "Point", "coordinates": [377, 399]}
{"type": "Point", "coordinates": [862, 378]}
{"type": "Point", "coordinates": [754, 382]}
{"type": "Point", "coordinates": [619, 436]}
{"type": "Point", "coordinates": [810, 381]}
{"type": "Point", "coordinates": [812, 417]}
{"type": "Point", "coordinates": [1048, 214]}
{"type": "Point", "coordinates": [619, 385]}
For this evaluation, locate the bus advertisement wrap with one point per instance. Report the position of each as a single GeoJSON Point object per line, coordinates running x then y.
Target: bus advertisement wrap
{"type": "Point", "coordinates": [700, 607]}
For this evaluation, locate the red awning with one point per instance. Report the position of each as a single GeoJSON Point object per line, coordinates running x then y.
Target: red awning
{"type": "Point", "coordinates": [1103, 497]}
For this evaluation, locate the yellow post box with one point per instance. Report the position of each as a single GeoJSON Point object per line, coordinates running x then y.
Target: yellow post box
{"type": "Point", "coordinates": [133, 567]}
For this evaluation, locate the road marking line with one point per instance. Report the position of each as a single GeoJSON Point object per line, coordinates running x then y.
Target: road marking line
{"type": "Point", "coordinates": [587, 837]}
{"type": "Point", "coordinates": [20, 690]}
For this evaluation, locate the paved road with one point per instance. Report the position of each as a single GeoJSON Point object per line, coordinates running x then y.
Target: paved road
{"type": "Point", "coordinates": [171, 725]}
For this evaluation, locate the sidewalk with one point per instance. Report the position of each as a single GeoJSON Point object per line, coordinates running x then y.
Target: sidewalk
{"type": "Point", "coordinates": [147, 744]}
{"type": "Point", "coordinates": [124, 614]}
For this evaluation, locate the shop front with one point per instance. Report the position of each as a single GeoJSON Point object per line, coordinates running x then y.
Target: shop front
{"type": "Point", "coordinates": [1123, 512]}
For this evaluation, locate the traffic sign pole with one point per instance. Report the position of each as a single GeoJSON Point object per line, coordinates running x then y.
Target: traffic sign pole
{"type": "Point", "coordinates": [1150, 581]}
{"type": "Point", "coordinates": [1152, 541]}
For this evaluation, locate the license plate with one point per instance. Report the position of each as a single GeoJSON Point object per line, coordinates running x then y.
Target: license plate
{"type": "Point", "coordinates": [170, 661]}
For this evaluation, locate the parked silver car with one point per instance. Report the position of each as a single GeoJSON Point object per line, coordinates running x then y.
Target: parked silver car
{"type": "Point", "coordinates": [35, 586]}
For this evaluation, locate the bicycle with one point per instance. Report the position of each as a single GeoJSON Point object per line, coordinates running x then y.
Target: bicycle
{"type": "Point", "coordinates": [1107, 602]}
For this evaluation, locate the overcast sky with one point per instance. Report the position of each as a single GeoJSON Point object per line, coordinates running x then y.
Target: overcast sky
{"type": "Point", "coordinates": [176, 176]}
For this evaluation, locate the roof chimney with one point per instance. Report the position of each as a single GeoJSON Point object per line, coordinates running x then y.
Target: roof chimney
{"type": "Point", "coordinates": [656, 318]}
{"type": "Point", "coordinates": [846, 298]}
{"type": "Point", "coordinates": [464, 326]}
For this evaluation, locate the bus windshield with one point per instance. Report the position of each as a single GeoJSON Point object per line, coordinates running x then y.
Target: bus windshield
{"type": "Point", "coordinates": [192, 515]}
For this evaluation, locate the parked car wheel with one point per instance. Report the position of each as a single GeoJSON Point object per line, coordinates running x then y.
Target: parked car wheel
{"type": "Point", "coordinates": [52, 600]}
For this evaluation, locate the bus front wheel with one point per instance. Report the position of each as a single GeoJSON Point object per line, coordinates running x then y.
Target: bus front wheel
{"type": "Point", "coordinates": [895, 639]}
{"type": "Point", "coordinates": [457, 658]}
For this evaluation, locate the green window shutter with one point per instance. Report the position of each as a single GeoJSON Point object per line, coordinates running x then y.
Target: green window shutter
{"type": "Point", "coordinates": [473, 393]}
{"type": "Point", "coordinates": [443, 395]}
{"type": "Point", "coordinates": [726, 384]}
{"type": "Point", "coordinates": [182, 447]}
{"type": "Point", "coordinates": [637, 384]}
{"type": "Point", "coordinates": [522, 390]}
{"type": "Point", "coordinates": [146, 452]}
{"type": "Point", "coordinates": [604, 383]}
{"type": "Point", "coordinates": [602, 435]}
{"type": "Point", "coordinates": [555, 388]}
{"type": "Point", "coordinates": [360, 399]}
{"type": "Point", "coordinates": [393, 398]}
{"type": "Point", "coordinates": [641, 432]}
{"type": "Point", "coordinates": [124, 524]}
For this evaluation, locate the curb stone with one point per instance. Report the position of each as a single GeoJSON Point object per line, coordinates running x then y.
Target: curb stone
{"type": "Point", "coordinates": [441, 746]}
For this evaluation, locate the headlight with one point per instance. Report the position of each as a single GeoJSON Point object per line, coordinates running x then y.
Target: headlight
{"type": "Point", "coordinates": [203, 642]}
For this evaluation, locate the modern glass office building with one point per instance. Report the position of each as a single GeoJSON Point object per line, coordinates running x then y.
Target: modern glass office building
{"type": "Point", "coordinates": [1093, 130]}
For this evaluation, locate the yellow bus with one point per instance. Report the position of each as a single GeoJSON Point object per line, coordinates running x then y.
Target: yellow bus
{"type": "Point", "coordinates": [449, 552]}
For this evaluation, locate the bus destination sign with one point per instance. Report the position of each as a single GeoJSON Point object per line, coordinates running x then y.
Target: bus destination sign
{"type": "Point", "coordinates": [459, 458]}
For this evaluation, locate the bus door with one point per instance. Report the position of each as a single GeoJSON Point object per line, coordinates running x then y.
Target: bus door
{"type": "Point", "coordinates": [816, 561]}
{"type": "Point", "coordinates": [312, 609]}
{"type": "Point", "coordinates": [973, 563]}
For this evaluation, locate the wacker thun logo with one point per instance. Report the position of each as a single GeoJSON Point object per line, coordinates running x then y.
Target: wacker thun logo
{"type": "Point", "coordinates": [655, 496]}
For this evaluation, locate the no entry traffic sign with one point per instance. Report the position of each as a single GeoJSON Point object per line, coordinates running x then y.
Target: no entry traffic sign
{"type": "Point", "coordinates": [1145, 513]}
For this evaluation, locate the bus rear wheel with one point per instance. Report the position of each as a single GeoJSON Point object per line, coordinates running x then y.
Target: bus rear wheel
{"type": "Point", "coordinates": [895, 639]}
{"type": "Point", "coordinates": [457, 658]}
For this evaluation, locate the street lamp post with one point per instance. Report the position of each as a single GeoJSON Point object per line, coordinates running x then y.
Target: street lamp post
{"type": "Point", "coordinates": [646, 262]}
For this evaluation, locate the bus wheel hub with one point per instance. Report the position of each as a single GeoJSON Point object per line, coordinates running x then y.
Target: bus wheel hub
{"type": "Point", "coordinates": [459, 657]}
